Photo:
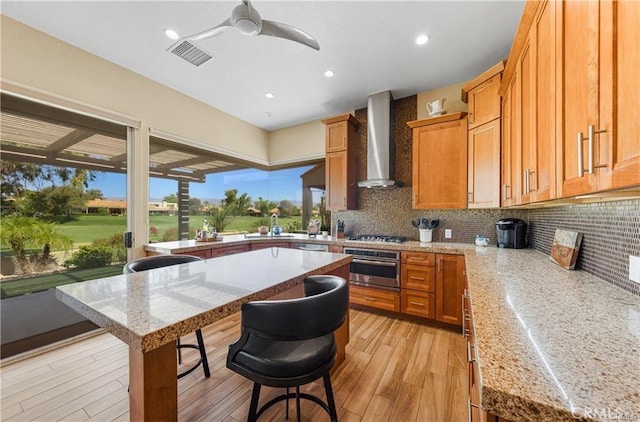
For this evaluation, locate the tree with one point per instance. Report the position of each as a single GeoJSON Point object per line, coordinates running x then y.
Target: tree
{"type": "Point", "coordinates": [94, 194]}
{"type": "Point", "coordinates": [230, 200]}
{"type": "Point", "coordinates": [22, 233]}
{"type": "Point", "coordinates": [243, 202]}
{"type": "Point", "coordinates": [55, 201]}
{"type": "Point", "coordinates": [195, 206]}
{"type": "Point", "coordinates": [171, 199]}
{"type": "Point", "coordinates": [287, 208]}
{"type": "Point", "coordinates": [219, 218]}
{"type": "Point", "coordinates": [235, 204]}
{"type": "Point", "coordinates": [18, 177]}
{"type": "Point", "coordinates": [264, 205]}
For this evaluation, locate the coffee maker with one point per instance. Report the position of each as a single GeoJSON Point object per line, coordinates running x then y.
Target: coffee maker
{"type": "Point", "coordinates": [511, 233]}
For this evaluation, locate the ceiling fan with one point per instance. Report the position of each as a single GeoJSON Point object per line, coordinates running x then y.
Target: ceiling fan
{"type": "Point", "coordinates": [247, 21]}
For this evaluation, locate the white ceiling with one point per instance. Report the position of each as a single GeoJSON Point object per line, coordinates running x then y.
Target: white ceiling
{"type": "Point", "coordinates": [369, 44]}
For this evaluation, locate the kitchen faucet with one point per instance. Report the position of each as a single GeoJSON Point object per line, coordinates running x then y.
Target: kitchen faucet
{"type": "Point", "coordinates": [271, 226]}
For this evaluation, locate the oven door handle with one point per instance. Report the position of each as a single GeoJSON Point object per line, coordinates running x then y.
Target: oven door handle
{"type": "Point", "coordinates": [380, 263]}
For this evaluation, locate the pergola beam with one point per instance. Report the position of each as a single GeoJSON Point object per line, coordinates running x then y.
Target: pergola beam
{"type": "Point", "coordinates": [72, 138]}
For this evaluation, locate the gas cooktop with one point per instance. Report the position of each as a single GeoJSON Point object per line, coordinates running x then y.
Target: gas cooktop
{"type": "Point", "coordinates": [378, 238]}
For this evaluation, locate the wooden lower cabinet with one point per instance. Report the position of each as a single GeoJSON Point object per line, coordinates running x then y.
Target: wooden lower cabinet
{"type": "Point", "coordinates": [265, 245]}
{"type": "Point", "coordinates": [229, 250]}
{"type": "Point", "coordinates": [335, 249]}
{"type": "Point", "coordinates": [204, 254]}
{"type": "Point", "coordinates": [375, 298]}
{"type": "Point", "coordinates": [413, 302]}
{"type": "Point", "coordinates": [450, 282]}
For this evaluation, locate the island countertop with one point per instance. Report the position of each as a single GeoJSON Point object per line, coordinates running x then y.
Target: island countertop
{"type": "Point", "coordinates": [553, 344]}
{"type": "Point", "coordinates": [151, 308]}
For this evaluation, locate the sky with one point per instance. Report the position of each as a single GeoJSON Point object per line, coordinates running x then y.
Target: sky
{"type": "Point", "coordinates": [274, 185]}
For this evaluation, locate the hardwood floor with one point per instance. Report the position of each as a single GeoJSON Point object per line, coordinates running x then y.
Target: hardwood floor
{"type": "Point", "coordinates": [395, 370]}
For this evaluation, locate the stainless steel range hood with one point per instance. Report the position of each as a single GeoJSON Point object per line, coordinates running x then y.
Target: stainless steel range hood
{"type": "Point", "coordinates": [380, 151]}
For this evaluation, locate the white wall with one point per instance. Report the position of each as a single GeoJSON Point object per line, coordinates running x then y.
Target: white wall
{"type": "Point", "coordinates": [453, 103]}
{"type": "Point", "coordinates": [297, 143]}
{"type": "Point", "coordinates": [40, 61]}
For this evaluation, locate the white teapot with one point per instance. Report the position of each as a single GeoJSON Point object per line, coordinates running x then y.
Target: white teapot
{"type": "Point", "coordinates": [435, 108]}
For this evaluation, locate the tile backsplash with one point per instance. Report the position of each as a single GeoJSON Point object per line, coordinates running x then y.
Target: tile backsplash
{"type": "Point", "coordinates": [611, 232]}
{"type": "Point", "coordinates": [388, 212]}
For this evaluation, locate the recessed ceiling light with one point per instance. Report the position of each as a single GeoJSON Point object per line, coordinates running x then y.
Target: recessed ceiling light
{"type": "Point", "coordinates": [422, 39]}
{"type": "Point", "coordinates": [268, 114]}
{"type": "Point", "coordinates": [269, 94]}
{"type": "Point", "coordinates": [170, 33]}
{"type": "Point", "coordinates": [329, 73]}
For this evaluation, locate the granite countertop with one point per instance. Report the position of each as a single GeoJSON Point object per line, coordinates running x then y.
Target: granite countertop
{"type": "Point", "coordinates": [152, 308]}
{"type": "Point", "coordinates": [186, 246]}
{"type": "Point", "coordinates": [553, 344]}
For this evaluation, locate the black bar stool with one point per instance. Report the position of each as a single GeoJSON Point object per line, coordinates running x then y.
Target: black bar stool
{"type": "Point", "coordinates": [289, 343]}
{"type": "Point", "coordinates": [159, 261]}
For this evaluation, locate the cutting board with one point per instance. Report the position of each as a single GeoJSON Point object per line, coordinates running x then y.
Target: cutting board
{"type": "Point", "coordinates": [566, 245]}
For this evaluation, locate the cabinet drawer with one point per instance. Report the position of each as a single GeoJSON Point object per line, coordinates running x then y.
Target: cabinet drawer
{"type": "Point", "coordinates": [418, 303]}
{"type": "Point", "coordinates": [375, 298]}
{"type": "Point", "coordinates": [418, 258]}
{"type": "Point", "coordinates": [418, 277]}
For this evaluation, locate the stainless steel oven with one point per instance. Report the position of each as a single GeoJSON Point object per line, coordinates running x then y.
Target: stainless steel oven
{"type": "Point", "coordinates": [374, 268]}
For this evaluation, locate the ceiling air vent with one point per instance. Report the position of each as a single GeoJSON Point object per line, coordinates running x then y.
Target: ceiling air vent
{"type": "Point", "coordinates": [190, 52]}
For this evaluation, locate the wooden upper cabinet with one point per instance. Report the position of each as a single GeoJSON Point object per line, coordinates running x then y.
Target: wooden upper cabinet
{"type": "Point", "coordinates": [598, 73]}
{"type": "Point", "coordinates": [440, 162]}
{"type": "Point", "coordinates": [578, 74]}
{"type": "Point", "coordinates": [337, 182]}
{"type": "Point", "coordinates": [336, 134]}
{"type": "Point", "coordinates": [511, 144]}
{"type": "Point", "coordinates": [529, 152]}
{"type": "Point", "coordinates": [484, 101]}
{"type": "Point", "coordinates": [484, 138]}
{"type": "Point", "coordinates": [484, 166]}
{"type": "Point", "coordinates": [340, 183]}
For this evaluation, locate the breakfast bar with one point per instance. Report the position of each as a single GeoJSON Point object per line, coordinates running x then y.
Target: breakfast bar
{"type": "Point", "coordinates": [150, 310]}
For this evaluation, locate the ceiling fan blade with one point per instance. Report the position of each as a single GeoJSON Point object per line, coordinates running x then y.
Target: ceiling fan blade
{"type": "Point", "coordinates": [288, 32]}
{"type": "Point", "coordinates": [211, 32]}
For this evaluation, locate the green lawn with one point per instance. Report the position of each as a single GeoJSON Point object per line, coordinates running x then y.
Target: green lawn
{"type": "Point", "coordinates": [38, 283]}
{"type": "Point", "coordinates": [85, 228]}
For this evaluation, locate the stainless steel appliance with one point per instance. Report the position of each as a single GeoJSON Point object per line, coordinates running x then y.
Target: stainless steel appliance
{"type": "Point", "coordinates": [378, 238]}
{"type": "Point", "coordinates": [511, 233]}
{"type": "Point", "coordinates": [374, 268]}
{"type": "Point", "coordinates": [318, 247]}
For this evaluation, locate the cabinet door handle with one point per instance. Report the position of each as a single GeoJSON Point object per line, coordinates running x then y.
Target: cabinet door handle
{"type": "Point", "coordinates": [415, 199]}
{"type": "Point", "coordinates": [464, 320]}
{"type": "Point", "coordinates": [504, 191]}
{"type": "Point", "coordinates": [580, 158]}
{"type": "Point", "coordinates": [470, 197]}
{"type": "Point", "coordinates": [417, 278]}
{"type": "Point", "coordinates": [526, 181]}
{"type": "Point", "coordinates": [530, 173]}
{"type": "Point", "coordinates": [417, 304]}
{"type": "Point", "coordinates": [591, 140]}
{"type": "Point", "coordinates": [370, 299]}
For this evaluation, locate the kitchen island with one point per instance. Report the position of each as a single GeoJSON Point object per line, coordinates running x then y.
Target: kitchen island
{"type": "Point", "coordinates": [150, 310]}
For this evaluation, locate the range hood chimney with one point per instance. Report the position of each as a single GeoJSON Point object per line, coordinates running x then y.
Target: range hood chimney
{"type": "Point", "coordinates": [380, 151]}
